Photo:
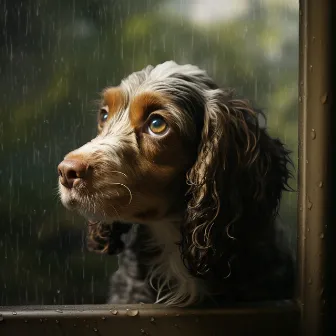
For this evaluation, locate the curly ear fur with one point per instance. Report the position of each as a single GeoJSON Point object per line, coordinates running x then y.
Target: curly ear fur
{"type": "Point", "coordinates": [235, 187]}
{"type": "Point", "coordinates": [106, 238]}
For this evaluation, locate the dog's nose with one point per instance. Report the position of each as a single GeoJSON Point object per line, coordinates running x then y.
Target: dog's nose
{"type": "Point", "coordinates": [70, 171]}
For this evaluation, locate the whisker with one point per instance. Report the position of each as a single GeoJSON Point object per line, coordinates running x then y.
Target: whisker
{"type": "Point", "coordinates": [102, 207]}
{"type": "Point", "coordinates": [119, 172]}
{"type": "Point", "coordinates": [128, 189]}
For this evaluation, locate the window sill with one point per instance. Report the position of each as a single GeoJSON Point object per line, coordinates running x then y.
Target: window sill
{"type": "Point", "coordinates": [275, 318]}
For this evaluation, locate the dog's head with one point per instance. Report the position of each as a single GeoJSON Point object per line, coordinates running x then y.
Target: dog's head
{"type": "Point", "coordinates": [172, 145]}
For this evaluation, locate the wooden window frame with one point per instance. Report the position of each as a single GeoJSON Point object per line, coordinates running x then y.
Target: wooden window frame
{"type": "Point", "coordinates": [310, 313]}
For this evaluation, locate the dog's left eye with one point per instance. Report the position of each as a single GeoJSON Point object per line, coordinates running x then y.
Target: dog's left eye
{"type": "Point", "coordinates": [157, 126]}
{"type": "Point", "coordinates": [103, 114]}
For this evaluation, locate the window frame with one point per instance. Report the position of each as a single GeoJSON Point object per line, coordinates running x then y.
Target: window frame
{"type": "Point", "coordinates": [311, 310]}
{"type": "Point", "coordinates": [316, 217]}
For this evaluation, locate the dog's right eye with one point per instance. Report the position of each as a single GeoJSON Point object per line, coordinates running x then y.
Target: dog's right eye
{"type": "Point", "coordinates": [103, 115]}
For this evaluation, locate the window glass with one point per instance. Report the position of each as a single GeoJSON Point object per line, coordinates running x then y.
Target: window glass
{"type": "Point", "coordinates": [55, 56]}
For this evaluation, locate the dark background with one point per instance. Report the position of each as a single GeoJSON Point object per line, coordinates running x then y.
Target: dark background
{"type": "Point", "coordinates": [56, 55]}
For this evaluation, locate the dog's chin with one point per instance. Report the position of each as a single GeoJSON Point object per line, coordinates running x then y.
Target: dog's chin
{"type": "Point", "coordinates": [73, 201]}
{"type": "Point", "coordinates": [92, 208]}
{"type": "Point", "coordinates": [69, 202]}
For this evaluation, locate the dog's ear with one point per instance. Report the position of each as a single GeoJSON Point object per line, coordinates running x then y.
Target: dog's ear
{"type": "Point", "coordinates": [235, 186]}
{"type": "Point", "coordinates": [106, 238]}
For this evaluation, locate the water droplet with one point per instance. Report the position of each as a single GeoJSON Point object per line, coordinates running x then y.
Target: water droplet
{"type": "Point", "coordinates": [103, 318]}
{"type": "Point", "coordinates": [57, 321]}
{"type": "Point", "coordinates": [152, 320]}
{"type": "Point", "coordinates": [14, 313]}
{"type": "Point", "coordinates": [132, 312]}
{"type": "Point", "coordinates": [313, 134]}
{"type": "Point", "coordinates": [1, 318]}
{"type": "Point", "coordinates": [95, 329]}
{"type": "Point", "coordinates": [59, 311]}
{"type": "Point", "coordinates": [322, 235]}
{"type": "Point", "coordinates": [114, 312]}
{"type": "Point", "coordinates": [309, 204]}
{"type": "Point", "coordinates": [320, 184]}
{"type": "Point", "coordinates": [324, 98]}
{"type": "Point", "coordinates": [310, 68]}
{"type": "Point", "coordinates": [75, 325]}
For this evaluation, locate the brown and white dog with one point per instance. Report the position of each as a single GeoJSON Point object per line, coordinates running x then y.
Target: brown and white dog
{"type": "Point", "coordinates": [188, 162]}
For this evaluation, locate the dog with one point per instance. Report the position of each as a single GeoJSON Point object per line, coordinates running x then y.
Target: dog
{"type": "Point", "coordinates": [184, 184]}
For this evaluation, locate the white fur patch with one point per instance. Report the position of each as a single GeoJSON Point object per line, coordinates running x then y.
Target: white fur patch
{"type": "Point", "coordinates": [168, 271]}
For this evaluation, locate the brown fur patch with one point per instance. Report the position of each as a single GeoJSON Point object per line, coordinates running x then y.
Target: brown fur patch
{"type": "Point", "coordinates": [163, 159]}
{"type": "Point", "coordinates": [144, 104]}
{"type": "Point", "coordinates": [115, 99]}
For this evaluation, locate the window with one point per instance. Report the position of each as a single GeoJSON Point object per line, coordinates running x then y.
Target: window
{"type": "Point", "coordinates": [55, 57]}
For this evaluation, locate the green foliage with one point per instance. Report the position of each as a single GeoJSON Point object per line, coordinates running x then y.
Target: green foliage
{"type": "Point", "coordinates": [55, 58]}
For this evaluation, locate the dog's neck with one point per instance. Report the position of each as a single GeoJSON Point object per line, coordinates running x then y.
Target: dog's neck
{"type": "Point", "coordinates": [169, 276]}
